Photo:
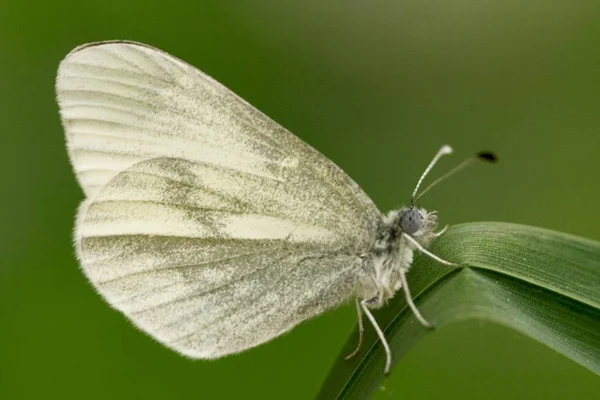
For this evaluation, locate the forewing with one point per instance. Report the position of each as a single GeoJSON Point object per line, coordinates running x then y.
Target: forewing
{"type": "Point", "coordinates": [124, 102]}
{"type": "Point", "coordinates": [211, 261]}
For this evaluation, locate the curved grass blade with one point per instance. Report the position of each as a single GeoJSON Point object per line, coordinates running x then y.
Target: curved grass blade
{"type": "Point", "coordinates": [541, 283]}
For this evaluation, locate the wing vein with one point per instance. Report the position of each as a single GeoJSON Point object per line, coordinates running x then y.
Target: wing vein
{"type": "Point", "coordinates": [108, 70]}
{"type": "Point", "coordinates": [176, 266]}
{"type": "Point", "coordinates": [247, 302]}
{"type": "Point", "coordinates": [205, 292]}
{"type": "Point", "coordinates": [191, 207]}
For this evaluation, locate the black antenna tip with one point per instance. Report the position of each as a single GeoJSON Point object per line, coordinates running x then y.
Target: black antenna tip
{"type": "Point", "coordinates": [487, 156]}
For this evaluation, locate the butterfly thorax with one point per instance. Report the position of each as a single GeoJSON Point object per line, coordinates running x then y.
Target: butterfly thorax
{"type": "Point", "coordinates": [392, 252]}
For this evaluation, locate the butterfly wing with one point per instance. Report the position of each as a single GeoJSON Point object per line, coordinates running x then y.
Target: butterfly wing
{"type": "Point", "coordinates": [206, 223]}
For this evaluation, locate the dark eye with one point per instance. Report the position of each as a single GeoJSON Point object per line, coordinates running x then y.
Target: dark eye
{"type": "Point", "coordinates": [410, 221]}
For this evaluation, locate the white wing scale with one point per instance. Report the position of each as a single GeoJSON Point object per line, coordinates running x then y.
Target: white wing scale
{"type": "Point", "coordinates": [207, 224]}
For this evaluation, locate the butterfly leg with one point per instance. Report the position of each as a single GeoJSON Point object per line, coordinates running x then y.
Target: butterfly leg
{"type": "Point", "coordinates": [360, 330]}
{"type": "Point", "coordinates": [425, 251]}
{"type": "Point", "coordinates": [410, 301]}
{"type": "Point", "coordinates": [388, 353]}
{"type": "Point", "coordinates": [441, 232]}
{"type": "Point", "coordinates": [404, 281]}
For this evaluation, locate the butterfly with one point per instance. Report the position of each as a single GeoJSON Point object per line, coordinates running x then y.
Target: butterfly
{"type": "Point", "coordinates": [208, 225]}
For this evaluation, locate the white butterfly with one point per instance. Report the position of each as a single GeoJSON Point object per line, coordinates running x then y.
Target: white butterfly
{"type": "Point", "coordinates": [210, 226]}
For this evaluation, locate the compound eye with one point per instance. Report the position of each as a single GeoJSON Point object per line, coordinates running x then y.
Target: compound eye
{"type": "Point", "coordinates": [410, 221]}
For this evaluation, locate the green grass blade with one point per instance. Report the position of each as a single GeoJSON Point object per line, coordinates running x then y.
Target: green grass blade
{"type": "Point", "coordinates": [541, 283]}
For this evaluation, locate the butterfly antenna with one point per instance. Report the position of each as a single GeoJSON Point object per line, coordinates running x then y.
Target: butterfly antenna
{"type": "Point", "coordinates": [442, 152]}
{"type": "Point", "coordinates": [481, 156]}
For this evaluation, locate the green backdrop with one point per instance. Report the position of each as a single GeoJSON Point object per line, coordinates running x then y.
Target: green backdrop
{"type": "Point", "coordinates": [377, 86]}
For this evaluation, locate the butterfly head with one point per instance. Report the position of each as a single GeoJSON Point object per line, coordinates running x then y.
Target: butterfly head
{"type": "Point", "coordinates": [411, 220]}
{"type": "Point", "coordinates": [416, 222]}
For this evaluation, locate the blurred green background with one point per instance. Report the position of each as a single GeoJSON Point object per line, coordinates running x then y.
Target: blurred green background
{"type": "Point", "coordinates": [377, 86]}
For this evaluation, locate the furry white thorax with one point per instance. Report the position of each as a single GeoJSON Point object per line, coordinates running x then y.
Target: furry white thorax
{"type": "Point", "coordinates": [390, 254]}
